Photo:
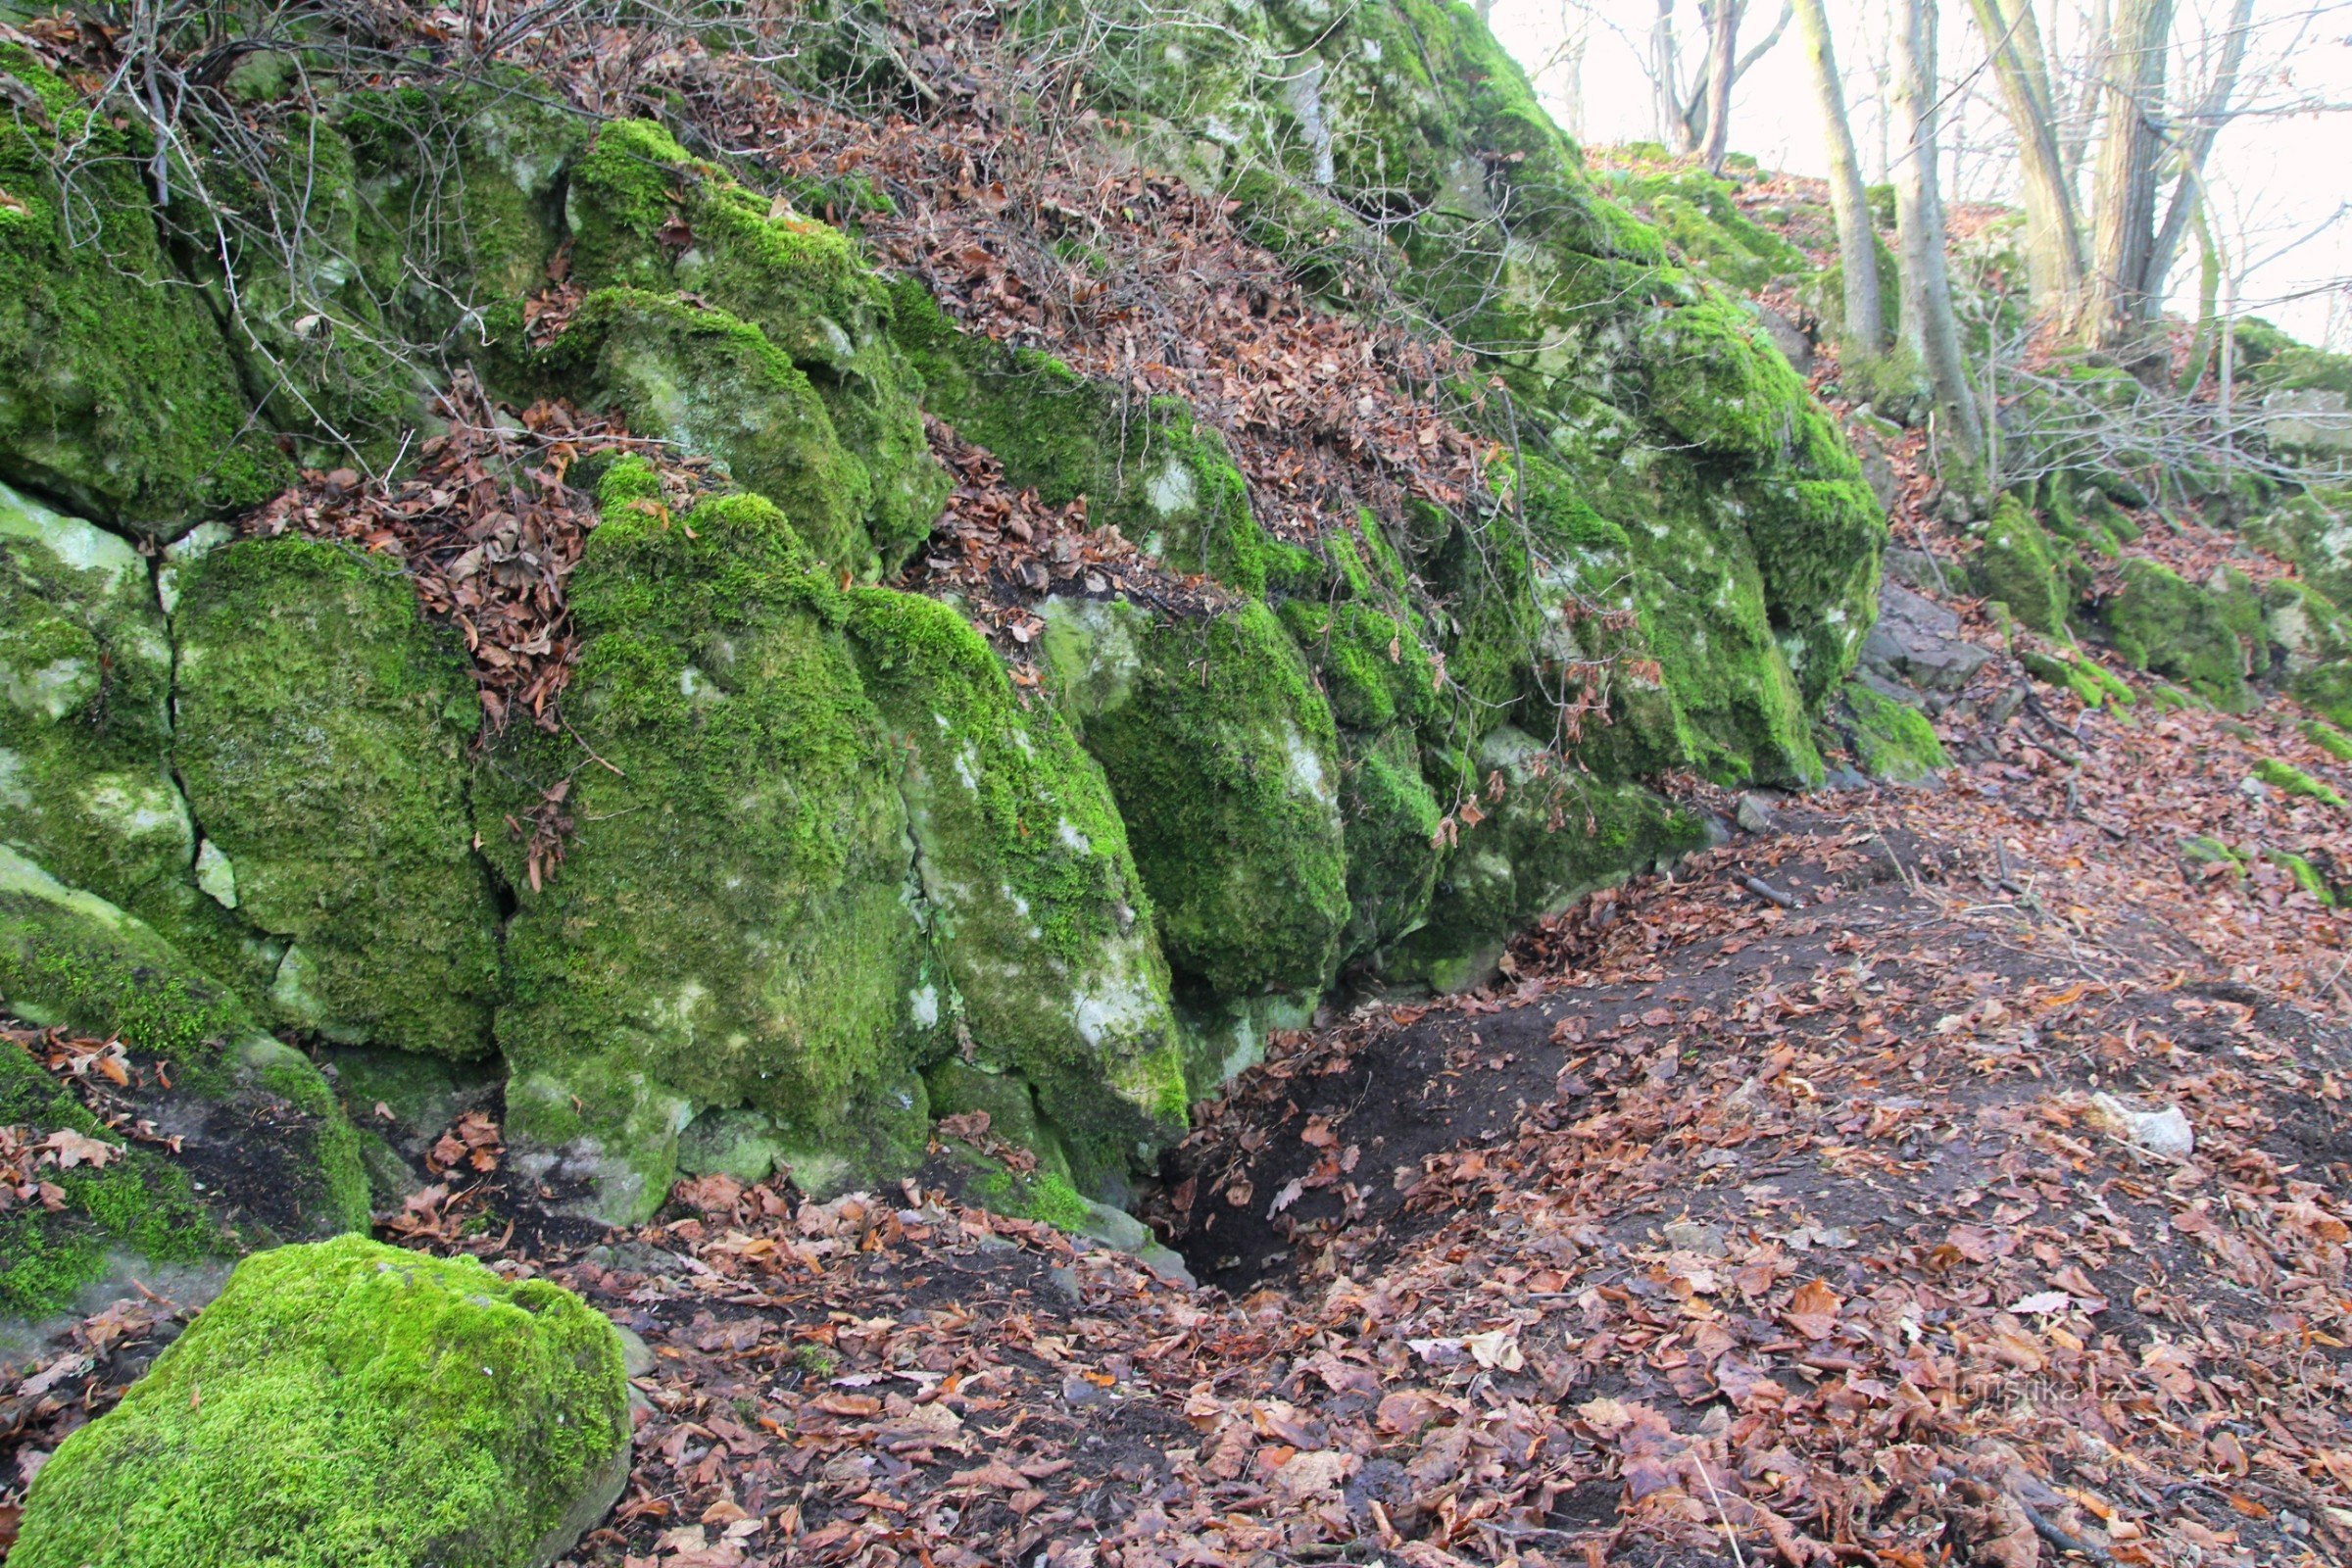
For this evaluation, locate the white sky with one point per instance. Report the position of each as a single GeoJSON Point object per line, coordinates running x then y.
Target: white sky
{"type": "Point", "coordinates": [2276, 178]}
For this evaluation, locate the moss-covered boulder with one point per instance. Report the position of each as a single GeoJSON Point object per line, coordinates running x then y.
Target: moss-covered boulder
{"type": "Point", "coordinates": [1222, 755]}
{"type": "Point", "coordinates": [1034, 899]}
{"type": "Point", "coordinates": [2018, 565]}
{"type": "Point", "coordinates": [85, 727]}
{"type": "Point", "coordinates": [118, 393]}
{"type": "Point", "coordinates": [323, 730]}
{"type": "Point", "coordinates": [1889, 740]}
{"type": "Point", "coordinates": [779, 358]}
{"type": "Point", "coordinates": [733, 918]}
{"type": "Point", "coordinates": [347, 1402]}
{"type": "Point", "coordinates": [1546, 835]}
{"type": "Point", "coordinates": [1146, 466]}
{"type": "Point", "coordinates": [2206, 639]}
{"type": "Point", "coordinates": [240, 1102]}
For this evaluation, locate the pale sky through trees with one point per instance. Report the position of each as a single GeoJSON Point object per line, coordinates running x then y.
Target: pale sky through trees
{"type": "Point", "coordinates": [2281, 176]}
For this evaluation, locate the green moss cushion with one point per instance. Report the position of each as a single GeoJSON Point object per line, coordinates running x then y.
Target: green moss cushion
{"type": "Point", "coordinates": [346, 1403]}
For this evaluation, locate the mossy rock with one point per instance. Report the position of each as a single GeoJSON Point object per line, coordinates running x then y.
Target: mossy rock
{"type": "Point", "coordinates": [86, 731]}
{"type": "Point", "coordinates": [713, 383]}
{"type": "Point", "coordinates": [2289, 779]}
{"type": "Point", "coordinates": [255, 1116]}
{"type": "Point", "coordinates": [2304, 628]}
{"type": "Point", "coordinates": [347, 1402]}
{"type": "Point", "coordinates": [2019, 566]}
{"type": "Point", "coordinates": [1701, 679]}
{"type": "Point", "coordinates": [323, 732]}
{"type": "Point", "coordinates": [119, 394]}
{"type": "Point", "coordinates": [733, 920]}
{"type": "Point", "coordinates": [803, 287]}
{"type": "Point", "coordinates": [1035, 901]}
{"type": "Point", "coordinates": [2161, 621]}
{"type": "Point", "coordinates": [1222, 755]}
{"type": "Point", "coordinates": [1891, 740]}
{"type": "Point", "coordinates": [1146, 467]}
{"type": "Point", "coordinates": [1551, 835]}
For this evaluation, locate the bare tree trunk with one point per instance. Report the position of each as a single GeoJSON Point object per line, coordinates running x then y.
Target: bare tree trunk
{"type": "Point", "coordinates": [1928, 327]}
{"type": "Point", "coordinates": [1576, 33]}
{"type": "Point", "coordinates": [1865, 335]}
{"type": "Point", "coordinates": [2053, 235]}
{"type": "Point", "coordinates": [1665, 80]}
{"type": "Point", "coordinates": [2204, 125]}
{"type": "Point", "coordinates": [2124, 196]}
{"type": "Point", "coordinates": [1723, 67]}
{"type": "Point", "coordinates": [2074, 140]}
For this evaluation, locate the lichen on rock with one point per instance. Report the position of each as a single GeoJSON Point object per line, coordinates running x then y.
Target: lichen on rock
{"type": "Point", "coordinates": [1222, 755]}
{"type": "Point", "coordinates": [349, 1404]}
{"type": "Point", "coordinates": [1034, 900]}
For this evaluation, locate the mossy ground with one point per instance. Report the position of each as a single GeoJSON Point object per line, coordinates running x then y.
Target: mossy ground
{"type": "Point", "coordinates": [346, 1405]}
{"type": "Point", "coordinates": [137, 1202]}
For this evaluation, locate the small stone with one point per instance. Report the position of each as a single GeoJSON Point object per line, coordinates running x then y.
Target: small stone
{"type": "Point", "coordinates": [1755, 817]}
{"type": "Point", "coordinates": [2164, 1132]}
{"type": "Point", "coordinates": [1691, 1236]}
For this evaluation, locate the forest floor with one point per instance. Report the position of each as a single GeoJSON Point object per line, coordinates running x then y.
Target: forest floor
{"type": "Point", "coordinates": [1823, 1203]}
{"type": "Point", "coordinates": [1802, 1226]}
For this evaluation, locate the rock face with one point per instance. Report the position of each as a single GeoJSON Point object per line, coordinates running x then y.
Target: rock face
{"type": "Point", "coordinates": [803, 850]}
{"type": "Point", "coordinates": [735, 924]}
{"type": "Point", "coordinates": [1917, 641]}
{"type": "Point", "coordinates": [349, 1403]}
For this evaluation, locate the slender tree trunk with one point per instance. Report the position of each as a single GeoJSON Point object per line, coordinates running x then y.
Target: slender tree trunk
{"type": "Point", "coordinates": [1576, 29]}
{"type": "Point", "coordinates": [2204, 125]}
{"type": "Point", "coordinates": [1723, 63]}
{"type": "Point", "coordinates": [1865, 335]}
{"type": "Point", "coordinates": [2053, 236]}
{"type": "Point", "coordinates": [1665, 80]}
{"type": "Point", "coordinates": [1928, 327]}
{"type": "Point", "coordinates": [2124, 197]}
{"type": "Point", "coordinates": [2074, 139]}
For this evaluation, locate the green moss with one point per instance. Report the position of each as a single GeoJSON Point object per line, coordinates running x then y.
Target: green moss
{"type": "Point", "coordinates": [2327, 737]}
{"type": "Point", "coordinates": [2293, 780]}
{"type": "Point", "coordinates": [2306, 876]}
{"type": "Point", "coordinates": [2018, 565]}
{"type": "Point", "coordinates": [1699, 217]}
{"type": "Point", "coordinates": [70, 957]}
{"type": "Point", "coordinates": [1551, 835]}
{"type": "Point", "coordinates": [805, 289]}
{"type": "Point", "coordinates": [1892, 740]}
{"type": "Point", "coordinates": [1036, 904]}
{"type": "Point", "coordinates": [460, 192]}
{"type": "Point", "coordinates": [2204, 850]}
{"type": "Point", "coordinates": [1221, 754]}
{"type": "Point", "coordinates": [2085, 677]}
{"type": "Point", "coordinates": [85, 730]}
{"type": "Point", "coordinates": [1390, 818]}
{"type": "Point", "coordinates": [730, 922]}
{"type": "Point", "coordinates": [136, 1200]}
{"type": "Point", "coordinates": [117, 392]}
{"type": "Point", "coordinates": [324, 728]}
{"type": "Point", "coordinates": [352, 1404]}
{"type": "Point", "coordinates": [1163, 479]}
{"type": "Point", "coordinates": [622, 192]}
{"type": "Point", "coordinates": [717, 384]}
{"type": "Point", "coordinates": [2162, 623]}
